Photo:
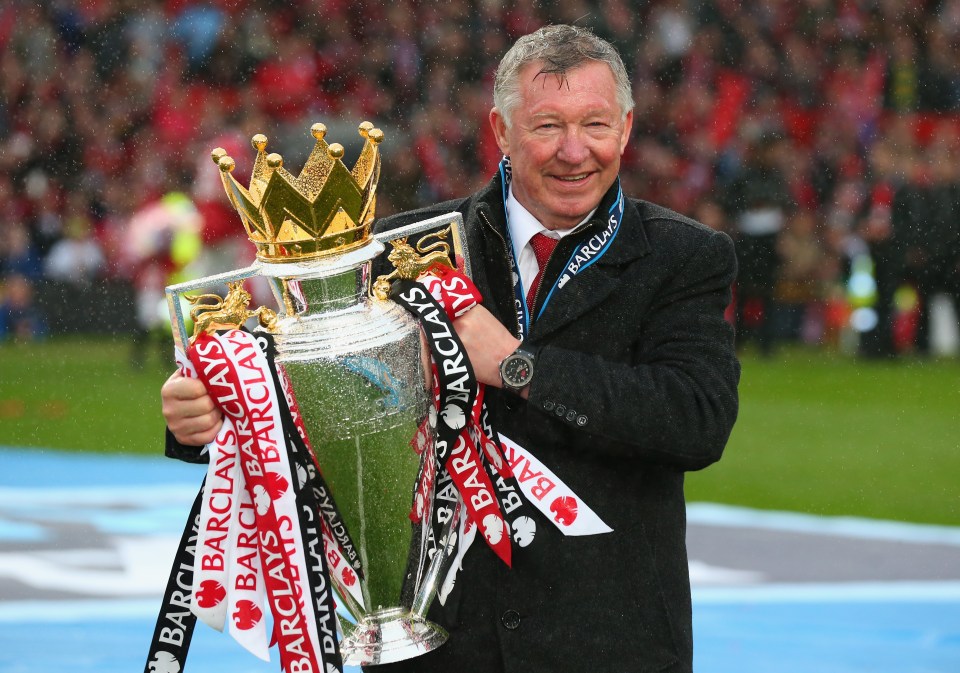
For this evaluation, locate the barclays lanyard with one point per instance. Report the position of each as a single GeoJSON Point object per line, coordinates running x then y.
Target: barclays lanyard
{"type": "Point", "coordinates": [581, 258]}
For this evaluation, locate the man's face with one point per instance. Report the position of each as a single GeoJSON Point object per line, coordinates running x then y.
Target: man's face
{"type": "Point", "coordinates": [565, 142]}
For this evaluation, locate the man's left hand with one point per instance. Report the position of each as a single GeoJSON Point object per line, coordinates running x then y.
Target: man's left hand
{"type": "Point", "coordinates": [487, 343]}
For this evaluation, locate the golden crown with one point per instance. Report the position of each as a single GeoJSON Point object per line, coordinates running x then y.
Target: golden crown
{"type": "Point", "coordinates": [325, 210]}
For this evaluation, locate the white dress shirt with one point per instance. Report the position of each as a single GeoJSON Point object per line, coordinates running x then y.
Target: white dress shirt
{"type": "Point", "coordinates": [523, 226]}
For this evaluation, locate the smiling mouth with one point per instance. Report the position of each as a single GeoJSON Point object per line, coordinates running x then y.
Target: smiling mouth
{"type": "Point", "coordinates": [573, 178]}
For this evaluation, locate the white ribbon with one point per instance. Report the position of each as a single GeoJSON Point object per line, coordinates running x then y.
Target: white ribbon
{"type": "Point", "coordinates": [550, 495]}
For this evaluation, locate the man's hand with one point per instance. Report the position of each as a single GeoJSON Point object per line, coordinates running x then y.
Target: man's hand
{"type": "Point", "coordinates": [189, 411]}
{"type": "Point", "coordinates": [487, 343]}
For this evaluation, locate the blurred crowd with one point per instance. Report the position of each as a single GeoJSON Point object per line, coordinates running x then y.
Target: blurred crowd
{"type": "Point", "coordinates": [821, 134]}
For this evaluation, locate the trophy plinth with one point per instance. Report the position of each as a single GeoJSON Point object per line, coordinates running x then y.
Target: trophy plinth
{"type": "Point", "coordinates": [390, 635]}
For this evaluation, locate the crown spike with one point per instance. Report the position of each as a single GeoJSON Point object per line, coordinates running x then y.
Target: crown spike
{"type": "Point", "coordinates": [242, 200]}
{"type": "Point", "coordinates": [217, 153]}
{"type": "Point", "coordinates": [368, 162]}
{"type": "Point", "coordinates": [335, 151]}
{"type": "Point", "coordinates": [316, 171]}
{"type": "Point", "coordinates": [260, 174]}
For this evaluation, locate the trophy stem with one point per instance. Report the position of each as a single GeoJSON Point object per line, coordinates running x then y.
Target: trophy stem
{"type": "Point", "coordinates": [428, 589]}
{"type": "Point", "coordinates": [390, 635]}
{"type": "Point", "coordinates": [429, 584]}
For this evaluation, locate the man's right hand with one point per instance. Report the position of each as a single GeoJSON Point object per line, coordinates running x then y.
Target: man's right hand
{"type": "Point", "coordinates": [189, 411]}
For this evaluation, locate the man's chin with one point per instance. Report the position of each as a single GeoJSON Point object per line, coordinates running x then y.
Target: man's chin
{"type": "Point", "coordinates": [567, 218]}
{"type": "Point", "coordinates": [574, 207]}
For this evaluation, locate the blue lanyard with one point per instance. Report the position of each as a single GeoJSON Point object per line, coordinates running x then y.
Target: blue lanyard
{"type": "Point", "coordinates": [580, 259]}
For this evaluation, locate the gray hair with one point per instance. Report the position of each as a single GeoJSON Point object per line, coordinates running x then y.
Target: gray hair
{"type": "Point", "coordinates": [558, 49]}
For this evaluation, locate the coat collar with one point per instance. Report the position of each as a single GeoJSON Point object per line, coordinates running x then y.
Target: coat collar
{"type": "Point", "coordinates": [486, 232]}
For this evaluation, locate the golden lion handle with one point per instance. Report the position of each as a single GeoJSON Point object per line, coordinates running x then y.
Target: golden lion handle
{"type": "Point", "coordinates": [231, 312]}
{"type": "Point", "coordinates": [409, 262]}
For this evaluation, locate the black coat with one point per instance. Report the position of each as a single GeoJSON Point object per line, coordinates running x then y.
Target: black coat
{"type": "Point", "coordinates": [635, 383]}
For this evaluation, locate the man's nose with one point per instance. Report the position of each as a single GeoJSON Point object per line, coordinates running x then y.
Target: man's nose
{"type": "Point", "coordinates": [573, 147]}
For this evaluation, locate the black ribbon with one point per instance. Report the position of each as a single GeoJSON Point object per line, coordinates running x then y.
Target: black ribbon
{"type": "Point", "coordinates": [457, 390]}
{"type": "Point", "coordinates": [175, 623]}
{"type": "Point", "coordinates": [518, 512]}
{"type": "Point", "coordinates": [326, 505]}
{"type": "Point", "coordinates": [456, 384]}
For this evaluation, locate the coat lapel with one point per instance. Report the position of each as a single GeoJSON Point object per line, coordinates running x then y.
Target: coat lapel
{"type": "Point", "coordinates": [596, 283]}
{"type": "Point", "coordinates": [485, 236]}
{"type": "Point", "coordinates": [584, 291]}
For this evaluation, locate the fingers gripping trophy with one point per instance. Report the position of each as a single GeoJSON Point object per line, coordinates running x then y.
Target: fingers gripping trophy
{"type": "Point", "coordinates": [351, 423]}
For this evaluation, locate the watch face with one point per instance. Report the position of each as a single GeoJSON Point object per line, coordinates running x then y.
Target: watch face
{"type": "Point", "coordinates": [517, 370]}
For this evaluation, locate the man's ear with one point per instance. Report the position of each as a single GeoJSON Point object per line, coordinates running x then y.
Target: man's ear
{"type": "Point", "coordinates": [499, 125]}
{"type": "Point", "coordinates": [627, 126]}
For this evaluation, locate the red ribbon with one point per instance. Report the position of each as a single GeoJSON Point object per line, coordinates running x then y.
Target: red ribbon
{"type": "Point", "coordinates": [231, 394]}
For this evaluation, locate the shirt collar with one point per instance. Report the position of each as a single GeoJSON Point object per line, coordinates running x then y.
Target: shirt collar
{"type": "Point", "coordinates": [524, 226]}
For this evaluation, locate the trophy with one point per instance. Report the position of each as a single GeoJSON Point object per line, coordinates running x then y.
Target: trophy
{"type": "Point", "coordinates": [357, 367]}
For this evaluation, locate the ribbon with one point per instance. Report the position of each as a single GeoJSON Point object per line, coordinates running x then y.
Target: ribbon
{"type": "Point", "coordinates": [175, 623]}
{"type": "Point", "coordinates": [313, 517]}
{"type": "Point", "coordinates": [550, 495]}
{"type": "Point", "coordinates": [456, 456]}
{"type": "Point", "coordinates": [264, 533]}
{"type": "Point", "coordinates": [297, 439]}
{"type": "Point", "coordinates": [236, 589]}
{"type": "Point", "coordinates": [218, 530]}
{"type": "Point", "coordinates": [246, 589]}
{"type": "Point", "coordinates": [510, 474]}
{"type": "Point", "coordinates": [239, 379]}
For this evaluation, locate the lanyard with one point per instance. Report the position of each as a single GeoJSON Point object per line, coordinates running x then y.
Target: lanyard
{"type": "Point", "coordinates": [582, 257]}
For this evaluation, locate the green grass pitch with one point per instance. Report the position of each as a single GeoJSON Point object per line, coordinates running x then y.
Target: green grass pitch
{"type": "Point", "coordinates": [818, 432]}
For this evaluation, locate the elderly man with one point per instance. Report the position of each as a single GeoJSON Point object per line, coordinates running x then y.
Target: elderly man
{"type": "Point", "coordinates": [605, 351]}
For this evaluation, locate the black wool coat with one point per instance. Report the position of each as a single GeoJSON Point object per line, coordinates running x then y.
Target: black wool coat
{"type": "Point", "coordinates": [635, 383]}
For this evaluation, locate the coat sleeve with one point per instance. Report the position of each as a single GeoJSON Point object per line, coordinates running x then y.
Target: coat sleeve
{"type": "Point", "coordinates": [188, 454]}
{"type": "Point", "coordinates": [674, 400]}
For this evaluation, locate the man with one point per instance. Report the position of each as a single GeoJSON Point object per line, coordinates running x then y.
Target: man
{"type": "Point", "coordinates": [634, 376]}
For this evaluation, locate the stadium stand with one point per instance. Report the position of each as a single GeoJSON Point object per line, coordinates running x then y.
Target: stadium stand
{"type": "Point", "coordinates": [846, 109]}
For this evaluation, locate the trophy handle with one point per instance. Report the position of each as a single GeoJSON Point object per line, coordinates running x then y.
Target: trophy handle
{"type": "Point", "coordinates": [174, 292]}
{"type": "Point", "coordinates": [460, 254]}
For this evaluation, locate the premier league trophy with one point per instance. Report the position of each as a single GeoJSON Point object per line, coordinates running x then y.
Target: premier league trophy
{"type": "Point", "coordinates": [358, 371]}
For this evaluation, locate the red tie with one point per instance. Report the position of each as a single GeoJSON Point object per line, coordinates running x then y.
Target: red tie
{"type": "Point", "coordinates": [542, 247]}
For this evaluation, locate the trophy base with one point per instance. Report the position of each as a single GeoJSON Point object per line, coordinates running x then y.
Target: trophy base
{"type": "Point", "coordinates": [386, 636]}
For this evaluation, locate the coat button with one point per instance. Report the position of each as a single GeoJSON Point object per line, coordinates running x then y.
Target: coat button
{"type": "Point", "coordinates": [582, 420]}
{"type": "Point", "coordinates": [571, 415]}
{"type": "Point", "coordinates": [511, 620]}
{"type": "Point", "coordinates": [560, 410]}
{"type": "Point", "coordinates": [548, 405]}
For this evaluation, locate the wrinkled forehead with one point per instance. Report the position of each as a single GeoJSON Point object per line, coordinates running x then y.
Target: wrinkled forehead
{"type": "Point", "coordinates": [591, 84]}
